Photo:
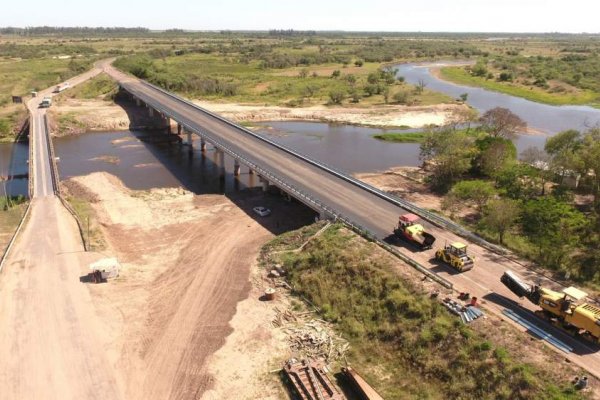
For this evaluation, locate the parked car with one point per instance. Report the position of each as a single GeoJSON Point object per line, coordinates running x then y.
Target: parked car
{"type": "Point", "coordinates": [262, 211]}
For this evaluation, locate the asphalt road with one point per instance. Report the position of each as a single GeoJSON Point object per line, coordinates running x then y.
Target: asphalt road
{"type": "Point", "coordinates": [369, 211]}
{"type": "Point", "coordinates": [51, 342]}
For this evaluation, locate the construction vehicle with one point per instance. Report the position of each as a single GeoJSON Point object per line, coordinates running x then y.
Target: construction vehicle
{"type": "Point", "coordinates": [410, 230]}
{"type": "Point", "coordinates": [46, 102]}
{"type": "Point", "coordinates": [567, 309]}
{"type": "Point", "coordinates": [455, 255]}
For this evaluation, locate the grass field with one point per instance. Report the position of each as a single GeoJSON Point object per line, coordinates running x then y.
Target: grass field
{"type": "Point", "coordinates": [99, 87]}
{"type": "Point", "coordinates": [580, 97]}
{"type": "Point", "coordinates": [9, 220]}
{"type": "Point", "coordinates": [212, 77]}
{"type": "Point", "coordinates": [406, 344]}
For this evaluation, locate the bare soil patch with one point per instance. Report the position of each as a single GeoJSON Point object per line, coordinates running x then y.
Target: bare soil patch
{"type": "Point", "coordinates": [186, 262]}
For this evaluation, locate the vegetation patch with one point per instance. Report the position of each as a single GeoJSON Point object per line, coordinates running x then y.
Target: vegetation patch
{"type": "Point", "coordinates": [530, 92]}
{"type": "Point", "coordinates": [406, 344]}
{"type": "Point", "coordinates": [399, 137]}
{"type": "Point", "coordinates": [99, 87]}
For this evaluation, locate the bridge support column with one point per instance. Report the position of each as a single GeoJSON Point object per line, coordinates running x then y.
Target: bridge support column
{"type": "Point", "coordinates": [221, 162]}
{"type": "Point", "coordinates": [151, 112]}
{"type": "Point", "coordinates": [190, 143]}
{"type": "Point", "coordinates": [265, 184]}
{"type": "Point", "coordinates": [168, 124]}
{"type": "Point", "coordinates": [236, 167]}
{"type": "Point", "coordinates": [250, 171]}
{"type": "Point", "coordinates": [138, 102]}
{"type": "Point", "coordinates": [179, 128]}
{"type": "Point", "coordinates": [202, 145]}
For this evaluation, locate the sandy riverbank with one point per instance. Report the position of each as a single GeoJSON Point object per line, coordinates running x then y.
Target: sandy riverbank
{"type": "Point", "coordinates": [186, 267]}
{"type": "Point", "coordinates": [76, 116]}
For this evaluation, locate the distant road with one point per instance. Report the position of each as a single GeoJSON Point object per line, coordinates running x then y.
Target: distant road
{"type": "Point", "coordinates": [362, 207]}
{"type": "Point", "coordinates": [51, 343]}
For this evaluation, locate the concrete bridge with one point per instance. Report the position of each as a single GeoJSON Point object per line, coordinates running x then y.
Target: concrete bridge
{"type": "Point", "coordinates": [335, 195]}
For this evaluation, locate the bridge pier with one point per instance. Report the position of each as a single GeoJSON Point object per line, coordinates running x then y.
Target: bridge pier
{"type": "Point", "coordinates": [151, 112]}
{"type": "Point", "coordinates": [168, 123]}
{"type": "Point", "coordinates": [250, 171]}
{"type": "Point", "coordinates": [220, 155]}
{"type": "Point", "coordinates": [265, 184]}
{"type": "Point", "coordinates": [138, 102]}
{"type": "Point", "coordinates": [179, 128]}
{"type": "Point", "coordinates": [202, 145]}
{"type": "Point", "coordinates": [236, 167]}
{"type": "Point", "coordinates": [189, 139]}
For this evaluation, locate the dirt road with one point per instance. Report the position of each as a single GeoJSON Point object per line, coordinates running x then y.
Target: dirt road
{"type": "Point", "coordinates": [51, 344]}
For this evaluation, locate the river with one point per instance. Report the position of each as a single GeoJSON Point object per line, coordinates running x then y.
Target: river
{"type": "Point", "coordinates": [13, 161]}
{"type": "Point", "coordinates": [352, 149]}
{"type": "Point", "coordinates": [542, 117]}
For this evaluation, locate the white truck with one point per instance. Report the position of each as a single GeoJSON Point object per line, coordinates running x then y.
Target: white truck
{"type": "Point", "coordinates": [62, 87]}
{"type": "Point", "coordinates": [46, 102]}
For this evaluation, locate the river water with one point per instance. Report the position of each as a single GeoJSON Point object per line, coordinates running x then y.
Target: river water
{"type": "Point", "coordinates": [545, 118]}
{"type": "Point", "coordinates": [13, 161]}
{"type": "Point", "coordinates": [143, 165]}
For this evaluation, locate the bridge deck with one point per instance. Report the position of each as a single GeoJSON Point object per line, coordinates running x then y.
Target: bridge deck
{"type": "Point", "coordinates": [360, 206]}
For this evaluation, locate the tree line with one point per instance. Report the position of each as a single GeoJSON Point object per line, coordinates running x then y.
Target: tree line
{"type": "Point", "coordinates": [526, 203]}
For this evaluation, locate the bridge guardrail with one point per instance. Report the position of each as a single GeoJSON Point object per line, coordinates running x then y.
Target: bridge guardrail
{"type": "Point", "coordinates": [56, 185]}
{"type": "Point", "coordinates": [313, 202]}
{"type": "Point", "coordinates": [427, 215]}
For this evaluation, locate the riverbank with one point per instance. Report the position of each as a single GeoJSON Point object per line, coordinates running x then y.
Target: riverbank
{"type": "Point", "coordinates": [572, 96]}
{"type": "Point", "coordinates": [75, 116]}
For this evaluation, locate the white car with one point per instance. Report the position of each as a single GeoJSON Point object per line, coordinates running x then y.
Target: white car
{"type": "Point", "coordinates": [262, 211]}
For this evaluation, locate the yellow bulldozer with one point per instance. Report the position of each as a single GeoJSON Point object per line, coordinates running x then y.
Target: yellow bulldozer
{"type": "Point", "coordinates": [455, 255]}
{"type": "Point", "coordinates": [567, 309]}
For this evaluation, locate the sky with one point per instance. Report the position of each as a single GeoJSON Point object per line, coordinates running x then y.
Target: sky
{"type": "Point", "coordinates": [572, 16]}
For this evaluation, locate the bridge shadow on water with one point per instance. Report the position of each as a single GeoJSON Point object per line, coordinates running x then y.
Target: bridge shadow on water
{"type": "Point", "coordinates": [199, 173]}
{"type": "Point", "coordinates": [14, 170]}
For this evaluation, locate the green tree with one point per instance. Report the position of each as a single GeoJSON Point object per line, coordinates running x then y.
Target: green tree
{"type": "Point", "coordinates": [590, 156]}
{"type": "Point", "coordinates": [336, 74]}
{"type": "Point", "coordinates": [553, 227]}
{"type": "Point", "coordinates": [359, 63]}
{"type": "Point", "coordinates": [495, 154]}
{"type": "Point", "coordinates": [337, 96]}
{"type": "Point", "coordinates": [477, 192]}
{"type": "Point", "coordinates": [450, 153]}
{"type": "Point", "coordinates": [373, 78]}
{"type": "Point", "coordinates": [479, 69]}
{"type": "Point", "coordinates": [564, 150]}
{"type": "Point", "coordinates": [401, 97]}
{"type": "Point", "coordinates": [499, 215]}
{"type": "Point", "coordinates": [521, 181]}
{"type": "Point", "coordinates": [386, 95]}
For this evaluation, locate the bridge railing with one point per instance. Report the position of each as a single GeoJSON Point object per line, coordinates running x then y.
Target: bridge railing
{"type": "Point", "coordinates": [317, 204]}
{"type": "Point", "coordinates": [423, 213]}
{"type": "Point", "coordinates": [57, 188]}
